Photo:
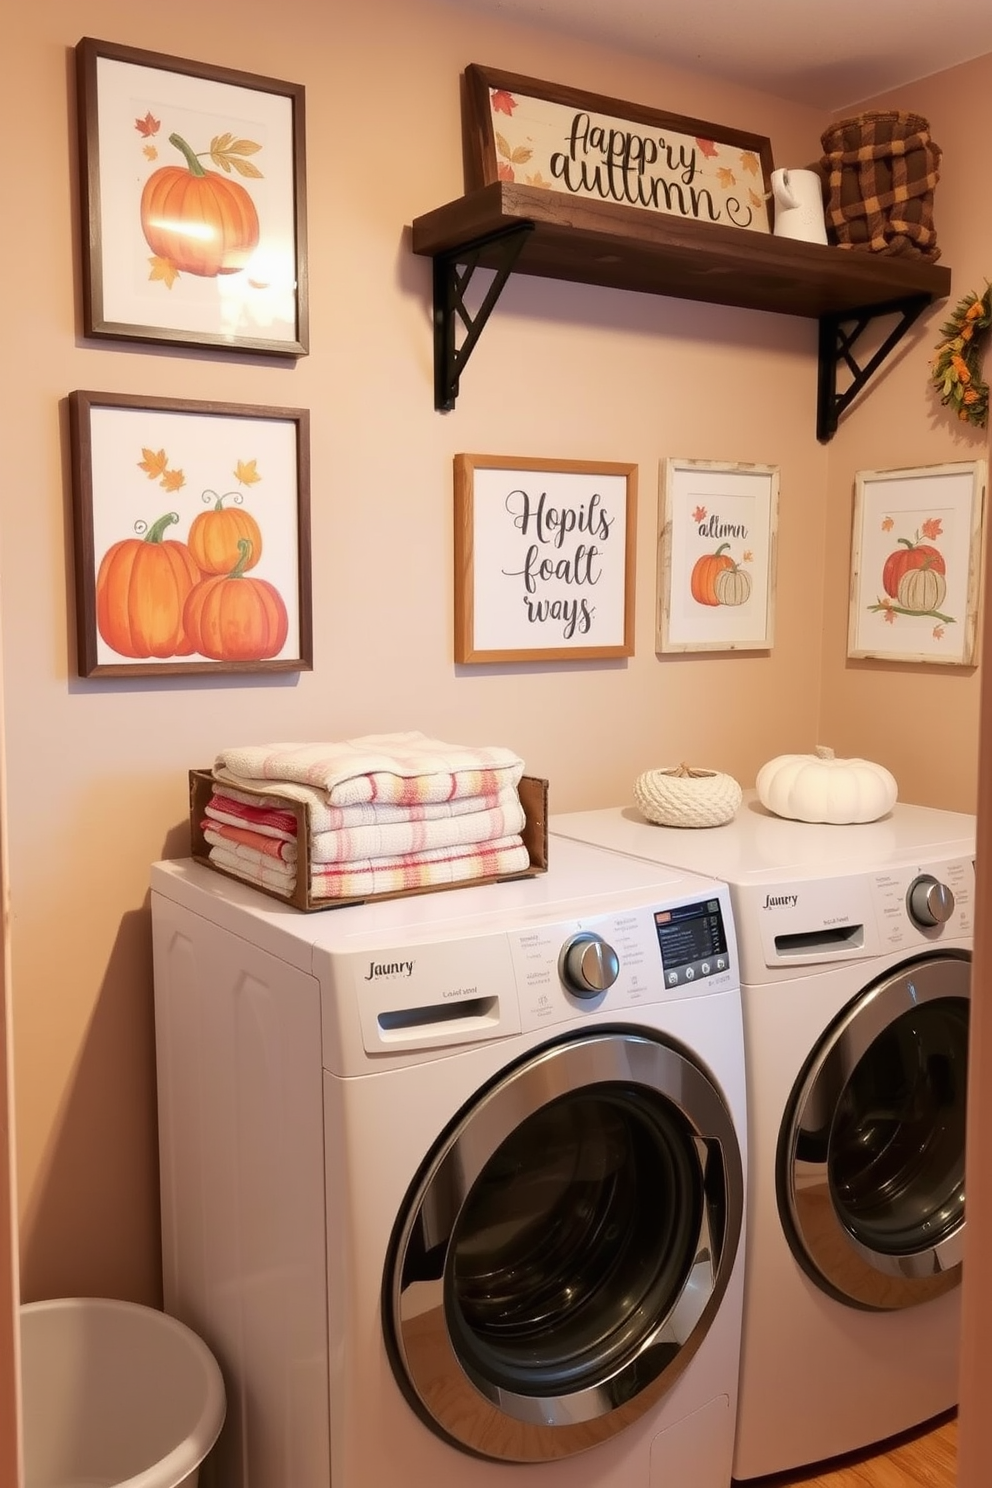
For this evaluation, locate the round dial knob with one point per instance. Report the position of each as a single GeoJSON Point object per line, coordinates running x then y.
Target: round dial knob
{"type": "Point", "coordinates": [929, 901]}
{"type": "Point", "coordinates": [588, 965]}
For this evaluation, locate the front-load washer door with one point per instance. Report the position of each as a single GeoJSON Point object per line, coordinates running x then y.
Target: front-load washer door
{"type": "Point", "coordinates": [563, 1250]}
{"type": "Point", "coordinates": [872, 1149]}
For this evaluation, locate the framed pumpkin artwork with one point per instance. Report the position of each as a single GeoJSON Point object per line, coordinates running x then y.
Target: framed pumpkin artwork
{"type": "Point", "coordinates": [916, 563]}
{"type": "Point", "coordinates": [716, 556]}
{"type": "Point", "coordinates": [192, 536]}
{"type": "Point", "coordinates": [193, 194]}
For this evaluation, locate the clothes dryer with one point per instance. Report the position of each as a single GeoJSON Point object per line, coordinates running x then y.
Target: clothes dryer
{"type": "Point", "coordinates": [855, 946]}
{"type": "Point", "coordinates": [453, 1185]}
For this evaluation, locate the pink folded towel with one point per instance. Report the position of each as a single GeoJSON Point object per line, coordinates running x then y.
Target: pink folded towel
{"type": "Point", "coordinates": [241, 839]}
{"type": "Point", "coordinates": [398, 769]}
{"type": "Point", "coordinates": [418, 837]}
{"type": "Point", "coordinates": [325, 818]}
{"type": "Point", "coordinates": [243, 811]}
{"type": "Point", "coordinates": [494, 860]}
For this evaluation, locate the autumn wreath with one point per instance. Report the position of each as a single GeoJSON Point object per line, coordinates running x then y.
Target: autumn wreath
{"type": "Point", "coordinates": [957, 366]}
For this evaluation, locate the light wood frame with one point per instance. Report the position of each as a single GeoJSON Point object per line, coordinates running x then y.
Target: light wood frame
{"type": "Point", "coordinates": [916, 563]}
{"type": "Point", "coordinates": [544, 559]}
{"type": "Point", "coordinates": [717, 544]}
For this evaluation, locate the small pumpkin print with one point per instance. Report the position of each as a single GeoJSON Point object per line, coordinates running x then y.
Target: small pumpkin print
{"type": "Point", "coordinates": [215, 536]}
{"type": "Point", "coordinates": [922, 590]}
{"type": "Point", "coordinates": [732, 586]}
{"type": "Point", "coordinates": [232, 617]}
{"type": "Point", "coordinates": [199, 221]}
{"type": "Point", "coordinates": [142, 586]}
{"type": "Point", "coordinates": [705, 572]}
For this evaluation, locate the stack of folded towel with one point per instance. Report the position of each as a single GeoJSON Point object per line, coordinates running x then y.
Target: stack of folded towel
{"type": "Point", "coordinates": [386, 813]}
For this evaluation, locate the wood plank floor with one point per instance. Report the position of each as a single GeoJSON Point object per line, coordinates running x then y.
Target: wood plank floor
{"type": "Point", "coordinates": [926, 1458]}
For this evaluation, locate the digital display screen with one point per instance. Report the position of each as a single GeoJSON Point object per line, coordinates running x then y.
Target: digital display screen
{"type": "Point", "coordinates": [690, 934]}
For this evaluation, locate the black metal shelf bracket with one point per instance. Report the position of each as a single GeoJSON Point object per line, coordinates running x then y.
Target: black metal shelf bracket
{"type": "Point", "coordinates": [452, 276]}
{"type": "Point", "coordinates": [837, 338]}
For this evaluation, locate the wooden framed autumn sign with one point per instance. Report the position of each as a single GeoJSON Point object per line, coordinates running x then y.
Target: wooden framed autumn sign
{"type": "Point", "coordinates": [192, 536]}
{"type": "Point", "coordinates": [916, 563]}
{"type": "Point", "coordinates": [716, 556]}
{"type": "Point", "coordinates": [193, 188]}
{"type": "Point", "coordinates": [604, 149]}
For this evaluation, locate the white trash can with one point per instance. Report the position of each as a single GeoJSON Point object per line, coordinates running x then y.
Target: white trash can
{"type": "Point", "coordinates": [114, 1395]}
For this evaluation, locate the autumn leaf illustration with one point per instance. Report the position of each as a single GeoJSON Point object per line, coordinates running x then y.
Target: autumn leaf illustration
{"type": "Point", "coordinates": [246, 472]}
{"type": "Point", "coordinates": [932, 527]}
{"type": "Point", "coordinates": [521, 155]}
{"type": "Point", "coordinates": [938, 632]}
{"type": "Point", "coordinates": [755, 200]}
{"type": "Point", "coordinates": [749, 162]}
{"type": "Point", "coordinates": [154, 463]}
{"type": "Point", "coordinates": [163, 269]}
{"type": "Point", "coordinates": [229, 154]}
{"type": "Point", "coordinates": [172, 480]}
{"type": "Point", "coordinates": [707, 148]}
{"type": "Point", "coordinates": [699, 515]}
{"type": "Point", "coordinates": [502, 102]}
{"type": "Point", "coordinates": [726, 177]}
{"type": "Point", "coordinates": [887, 524]}
{"type": "Point", "coordinates": [150, 152]}
{"type": "Point", "coordinates": [148, 125]}
{"type": "Point", "coordinates": [890, 615]}
{"type": "Point", "coordinates": [748, 556]}
{"type": "Point", "coordinates": [537, 180]}
{"type": "Point", "coordinates": [504, 172]}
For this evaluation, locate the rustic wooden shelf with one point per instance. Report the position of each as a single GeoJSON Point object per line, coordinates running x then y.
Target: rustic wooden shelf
{"type": "Point", "coordinates": [529, 230]}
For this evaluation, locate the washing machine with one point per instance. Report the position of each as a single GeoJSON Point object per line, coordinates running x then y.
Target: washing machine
{"type": "Point", "coordinates": [453, 1185]}
{"type": "Point", "coordinates": [855, 945]}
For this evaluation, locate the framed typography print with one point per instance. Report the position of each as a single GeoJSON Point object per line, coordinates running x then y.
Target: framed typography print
{"type": "Point", "coordinates": [193, 186]}
{"type": "Point", "coordinates": [544, 559]}
{"type": "Point", "coordinates": [191, 536]}
{"type": "Point", "coordinates": [602, 149]}
{"type": "Point", "coordinates": [716, 556]}
{"type": "Point", "coordinates": [916, 563]}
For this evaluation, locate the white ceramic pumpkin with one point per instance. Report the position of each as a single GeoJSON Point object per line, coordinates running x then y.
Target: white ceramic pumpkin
{"type": "Point", "coordinates": [682, 796]}
{"type": "Point", "coordinates": [820, 788]}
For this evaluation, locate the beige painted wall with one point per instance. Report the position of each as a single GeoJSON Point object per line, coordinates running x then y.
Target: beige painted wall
{"type": "Point", "coordinates": [922, 721]}
{"type": "Point", "coordinates": [98, 768]}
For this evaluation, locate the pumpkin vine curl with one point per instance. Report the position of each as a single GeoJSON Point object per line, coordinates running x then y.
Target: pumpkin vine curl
{"type": "Point", "coordinates": [956, 369]}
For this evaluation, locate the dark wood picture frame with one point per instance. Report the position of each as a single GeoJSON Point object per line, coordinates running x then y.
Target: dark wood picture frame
{"type": "Point", "coordinates": [639, 167]}
{"type": "Point", "coordinates": [174, 573]}
{"type": "Point", "coordinates": [227, 267]}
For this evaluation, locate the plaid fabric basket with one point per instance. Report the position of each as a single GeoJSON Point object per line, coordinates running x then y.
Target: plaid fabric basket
{"type": "Point", "coordinates": [881, 170]}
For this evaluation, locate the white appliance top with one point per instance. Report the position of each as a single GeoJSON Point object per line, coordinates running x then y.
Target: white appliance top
{"type": "Point", "coordinates": [805, 894]}
{"type": "Point", "coordinates": [403, 977]}
{"type": "Point", "coordinates": [758, 847]}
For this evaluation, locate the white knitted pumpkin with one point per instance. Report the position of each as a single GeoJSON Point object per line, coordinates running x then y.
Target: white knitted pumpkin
{"type": "Point", "coordinates": [681, 796]}
{"type": "Point", "coordinates": [820, 788]}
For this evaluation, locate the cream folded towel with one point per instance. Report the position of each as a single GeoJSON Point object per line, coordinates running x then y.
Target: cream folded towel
{"type": "Point", "coordinates": [398, 769]}
{"type": "Point", "coordinates": [418, 837]}
{"type": "Point", "coordinates": [488, 860]}
{"type": "Point", "coordinates": [325, 818]}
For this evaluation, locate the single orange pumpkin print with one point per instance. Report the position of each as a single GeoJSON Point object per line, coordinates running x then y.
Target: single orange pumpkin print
{"type": "Point", "coordinates": [201, 221]}
{"type": "Point", "coordinates": [141, 589]}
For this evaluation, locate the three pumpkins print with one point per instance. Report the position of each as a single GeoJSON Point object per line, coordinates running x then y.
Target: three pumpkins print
{"type": "Point", "coordinates": [161, 597]}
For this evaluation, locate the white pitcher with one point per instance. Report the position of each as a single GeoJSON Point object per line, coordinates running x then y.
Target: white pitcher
{"type": "Point", "coordinates": [799, 205]}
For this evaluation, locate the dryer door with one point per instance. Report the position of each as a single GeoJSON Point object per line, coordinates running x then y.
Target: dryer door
{"type": "Point", "coordinates": [872, 1150]}
{"type": "Point", "coordinates": [565, 1248]}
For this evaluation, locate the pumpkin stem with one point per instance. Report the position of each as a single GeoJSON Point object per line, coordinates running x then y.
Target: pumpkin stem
{"type": "Point", "coordinates": [195, 168]}
{"type": "Point", "coordinates": [219, 500]}
{"type": "Point", "coordinates": [823, 752]}
{"type": "Point", "coordinates": [687, 772]}
{"type": "Point", "coordinates": [721, 549]}
{"type": "Point", "coordinates": [154, 533]}
{"type": "Point", "coordinates": [244, 549]}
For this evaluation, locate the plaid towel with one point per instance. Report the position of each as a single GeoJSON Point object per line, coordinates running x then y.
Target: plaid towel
{"type": "Point", "coordinates": [881, 170]}
{"type": "Point", "coordinates": [324, 818]}
{"type": "Point", "coordinates": [398, 769]}
{"type": "Point", "coordinates": [487, 860]}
